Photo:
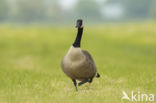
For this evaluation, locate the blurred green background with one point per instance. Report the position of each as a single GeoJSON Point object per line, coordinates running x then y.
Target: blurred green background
{"type": "Point", "coordinates": [67, 11]}
{"type": "Point", "coordinates": [36, 34]}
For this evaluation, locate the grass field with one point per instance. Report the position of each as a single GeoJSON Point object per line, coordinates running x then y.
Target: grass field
{"type": "Point", "coordinates": [30, 58]}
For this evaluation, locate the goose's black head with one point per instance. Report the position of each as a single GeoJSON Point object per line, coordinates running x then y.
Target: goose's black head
{"type": "Point", "coordinates": [79, 27]}
{"type": "Point", "coordinates": [79, 23]}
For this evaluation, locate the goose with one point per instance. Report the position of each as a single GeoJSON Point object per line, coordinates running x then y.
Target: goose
{"type": "Point", "coordinates": [78, 64]}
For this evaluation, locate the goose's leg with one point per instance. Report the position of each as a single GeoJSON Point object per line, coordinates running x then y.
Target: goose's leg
{"type": "Point", "coordinates": [75, 83]}
{"type": "Point", "coordinates": [90, 80]}
{"type": "Point", "coordinates": [83, 82]}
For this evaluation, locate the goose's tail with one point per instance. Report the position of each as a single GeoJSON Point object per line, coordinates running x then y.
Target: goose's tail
{"type": "Point", "coordinates": [97, 75]}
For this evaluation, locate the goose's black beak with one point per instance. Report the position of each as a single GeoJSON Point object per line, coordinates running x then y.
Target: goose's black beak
{"type": "Point", "coordinates": [79, 23]}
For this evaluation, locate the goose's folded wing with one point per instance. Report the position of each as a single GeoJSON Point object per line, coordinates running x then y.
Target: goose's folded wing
{"type": "Point", "coordinates": [89, 58]}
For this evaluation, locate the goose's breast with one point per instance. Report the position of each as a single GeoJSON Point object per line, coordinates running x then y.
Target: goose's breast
{"type": "Point", "coordinates": [78, 69]}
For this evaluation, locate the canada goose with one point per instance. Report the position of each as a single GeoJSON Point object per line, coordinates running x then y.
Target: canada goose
{"type": "Point", "coordinates": [78, 64]}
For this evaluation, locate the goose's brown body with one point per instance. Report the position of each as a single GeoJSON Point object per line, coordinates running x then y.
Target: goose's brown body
{"type": "Point", "coordinates": [78, 64]}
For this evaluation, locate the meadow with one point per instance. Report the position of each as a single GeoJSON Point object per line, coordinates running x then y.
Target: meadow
{"type": "Point", "coordinates": [30, 57]}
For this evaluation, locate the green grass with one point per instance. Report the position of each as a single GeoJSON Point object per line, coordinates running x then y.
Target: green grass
{"type": "Point", "coordinates": [30, 57]}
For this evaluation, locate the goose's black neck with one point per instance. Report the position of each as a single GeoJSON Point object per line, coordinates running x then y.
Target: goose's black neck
{"type": "Point", "coordinates": [77, 41]}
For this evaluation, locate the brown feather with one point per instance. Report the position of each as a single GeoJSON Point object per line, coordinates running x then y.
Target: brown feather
{"type": "Point", "coordinates": [78, 64]}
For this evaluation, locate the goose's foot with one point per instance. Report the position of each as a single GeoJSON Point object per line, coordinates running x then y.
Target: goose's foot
{"type": "Point", "coordinates": [83, 82]}
{"type": "Point", "coordinates": [98, 75]}
{"type": "Point", "coordinates": [75, 84]}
